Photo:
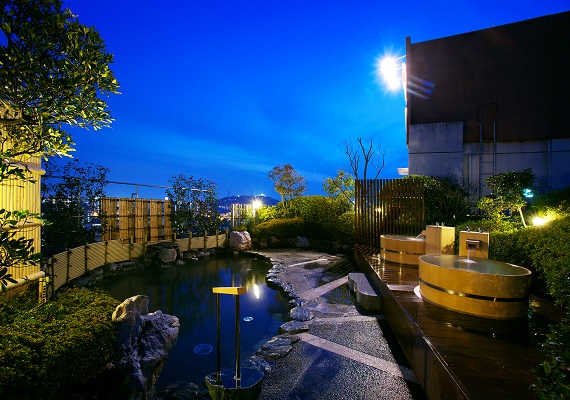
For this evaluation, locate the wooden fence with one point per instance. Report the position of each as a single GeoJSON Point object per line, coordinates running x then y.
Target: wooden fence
{"type": "Point", "coordinates": [76, 262]}
{"type": "Point", "coordinates": [139, 220]}
{"type": "Point", "coordinates": [388, 206]}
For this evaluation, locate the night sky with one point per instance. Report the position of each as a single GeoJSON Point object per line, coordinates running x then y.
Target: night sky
{"type": "Point", "coordinates": [227, 90]}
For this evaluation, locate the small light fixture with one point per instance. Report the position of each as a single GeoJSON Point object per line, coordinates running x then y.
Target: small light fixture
{"type": "Point", "coordinates": [539, 221]}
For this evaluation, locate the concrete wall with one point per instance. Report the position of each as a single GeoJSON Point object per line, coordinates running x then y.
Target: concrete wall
{"type": "Point", "coordinates": [436, 149]}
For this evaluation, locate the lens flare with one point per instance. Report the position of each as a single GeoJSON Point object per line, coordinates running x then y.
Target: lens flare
{"type": "Point", "coordinates": [388, 72]}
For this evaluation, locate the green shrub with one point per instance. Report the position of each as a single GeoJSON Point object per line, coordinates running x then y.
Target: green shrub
{"type": "Point", "coordinates": [445, 199]}
{"type": "Point", "coordinates": [316, 217]}
{"type": "Point", "coordinates": [342, 228]}
{"type": "Point", "coordinates": [553, 375]}
{"type": "Point", "coordinates": [49, 348]}
{"type": "Point", "coordinates": [268, 213]}
{"type": "Point", "coordinates": [280, 228]}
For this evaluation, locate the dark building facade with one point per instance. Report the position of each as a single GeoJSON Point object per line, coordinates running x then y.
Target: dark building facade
{"type": "Point", "coordinates": [491, 101]}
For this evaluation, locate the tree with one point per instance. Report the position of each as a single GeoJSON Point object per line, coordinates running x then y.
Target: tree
{"type": "Point", "coordinates": [53, 71]}
{"type": "Point", "coordinates": [376, 158]}
{"type": "Point", "coordinates": [341, 186]}
{"type": "Point", "coordinates": [507, 190]}
{"type": "Point", "coordinates": [446, 199]}
{"type": "Point", "coordinates": [287, 182]}
{"type": "Point", "coordinates": [194, 205]}
{"type": "Point", "coordinates": [70, 201]}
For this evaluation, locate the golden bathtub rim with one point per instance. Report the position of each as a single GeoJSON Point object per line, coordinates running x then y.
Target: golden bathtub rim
{"type": "Point", "coordinates": [471, 267]}
{"type": "Point", "coordinates": [459, 287]}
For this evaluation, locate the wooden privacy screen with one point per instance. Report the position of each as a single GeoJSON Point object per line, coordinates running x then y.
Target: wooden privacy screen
{"type": "Point", "coordinates": [388, 206]}
{"type": "Point", "coordinates": [141, 220]}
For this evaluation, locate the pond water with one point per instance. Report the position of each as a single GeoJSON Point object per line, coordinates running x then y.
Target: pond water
{"type": "Point", "coordinates": [185, 290]}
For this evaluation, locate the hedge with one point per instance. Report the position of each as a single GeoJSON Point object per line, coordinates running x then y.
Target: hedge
{"type": "Point", "coordinates": [48, 349]}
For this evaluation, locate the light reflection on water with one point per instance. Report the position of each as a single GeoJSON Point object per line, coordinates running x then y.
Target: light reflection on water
{"type": "Point", "coordinates": [186, 291]}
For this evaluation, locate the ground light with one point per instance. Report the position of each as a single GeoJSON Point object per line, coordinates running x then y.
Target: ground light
{"type": "Point", "coordinates": [539, 221]}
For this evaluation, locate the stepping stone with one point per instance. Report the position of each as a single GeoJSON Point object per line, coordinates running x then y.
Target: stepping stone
{"type": "Point", "coordinates": [366, 295]}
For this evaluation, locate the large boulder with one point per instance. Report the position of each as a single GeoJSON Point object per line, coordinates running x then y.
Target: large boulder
{"type": "Point", "coordinates": [144, 341]}
{"type": "Point", "coordinates": [240, 241]}
{"type": "Point", "coordinates": [162, 253]}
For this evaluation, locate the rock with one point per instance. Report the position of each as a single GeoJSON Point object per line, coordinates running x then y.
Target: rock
{"type": "Point", "coordinates": [296, 302]}
{"type": "Point", "coordinates": [257, 362]}
{"type": "Point", "coordinates": [278, 347]}
{"type": "Point", "coordinates": [168, 256]}
{"type": "Point", "coordinates": [293, 327]}
{"type": "Point", "coordinates": [302, 242]}
{"type": "Point", "coordinates": [240, 241]}
{"type": "Point", "coordinates": [96, 273]}
{"type": "Point", "coordinates": [301, 314]}
{"type": "Point", "coordinates": [162, 253]}
{"type": "Point", "coordinates": [144, 341]}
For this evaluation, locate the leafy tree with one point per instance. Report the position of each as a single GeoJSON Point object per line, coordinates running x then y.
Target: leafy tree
{"type": "Point", "coordinates": [70, 201]}
{"type": "Point", "coordinates": [52, 71]}
{"type": "Point", "coordinates": [341, 186]}
{"type": "Point", "coordinates": [507, 190]}
{"type": "Point", "coordinates": [446, 199]}
{"type": "Point", "coordinates": [194, 205]}
{"type": "Point", "coordinates": [287, 182]}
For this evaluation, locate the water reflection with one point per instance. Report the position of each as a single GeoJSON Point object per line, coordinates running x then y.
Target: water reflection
{"type": "Point", "coordinates": [186, 291]}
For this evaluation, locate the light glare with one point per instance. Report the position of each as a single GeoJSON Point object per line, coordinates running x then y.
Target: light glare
{"type": "Point", "coordinates": [539, 221]}
{"type": "Point", "coordinates": [388, 71]}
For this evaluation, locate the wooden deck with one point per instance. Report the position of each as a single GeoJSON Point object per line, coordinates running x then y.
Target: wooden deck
{"type": "Point", "coordinates": [454, 356]}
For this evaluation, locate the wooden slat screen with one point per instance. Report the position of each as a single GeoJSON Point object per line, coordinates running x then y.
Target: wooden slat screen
{"type": "Point", "coordinates": [137, 220]}
{"type": "Point", "coordinates": [388, 206]}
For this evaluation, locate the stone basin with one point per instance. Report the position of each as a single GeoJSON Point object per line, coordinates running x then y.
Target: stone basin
{"type": "Point", "coordinates": [478, 286]}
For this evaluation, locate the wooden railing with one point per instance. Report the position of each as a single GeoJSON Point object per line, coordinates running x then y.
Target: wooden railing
{"type": "Point", "coordinates": [388, 206]}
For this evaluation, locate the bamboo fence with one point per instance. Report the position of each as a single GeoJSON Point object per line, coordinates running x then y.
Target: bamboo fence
{"type": "Point", "coordinates": [18, 195]}
{"type": "Point", "coordinates": [139, 220]}
{"type": "Point", "coordinates": [73, 263]}
{"type": "Point", "coordinates": [388, 206]}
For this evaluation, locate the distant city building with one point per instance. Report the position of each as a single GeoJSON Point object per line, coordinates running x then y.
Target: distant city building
{"type": "Point", "coordinates": [491, 101]}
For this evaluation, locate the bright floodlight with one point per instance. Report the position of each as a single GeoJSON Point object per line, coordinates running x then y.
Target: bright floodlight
{"type": "Point", "coordinates": [256, 204]}
{"type": "Point", "coordinates": [539, 221]}
{"type": "Point", "coordinates": [388, 70]}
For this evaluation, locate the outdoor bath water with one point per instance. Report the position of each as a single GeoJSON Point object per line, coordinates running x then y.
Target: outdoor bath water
{"type": "Point", "coordinates": [185, 290]}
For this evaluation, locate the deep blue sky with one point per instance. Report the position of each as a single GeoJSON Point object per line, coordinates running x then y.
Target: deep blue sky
{"type": "Point", "coordinates": [227, 90]}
